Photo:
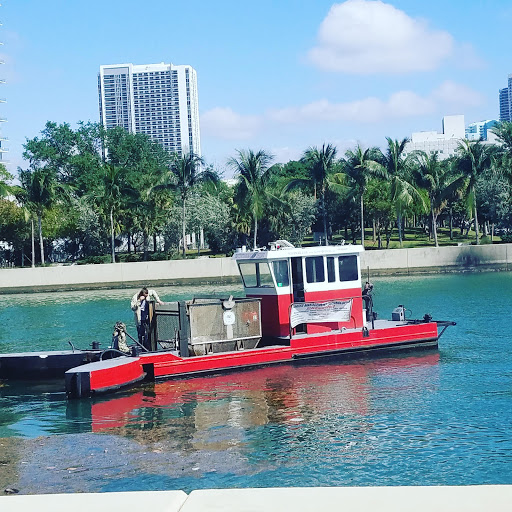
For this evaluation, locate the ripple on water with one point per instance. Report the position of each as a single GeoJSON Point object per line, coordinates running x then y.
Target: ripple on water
{"type": "Point", "coordinates": [439, 417]}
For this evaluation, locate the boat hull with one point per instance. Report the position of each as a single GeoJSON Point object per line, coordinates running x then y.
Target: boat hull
{"type": "Point", "coordinates": [43, 365]}
{"type": "Point", "coordinates": [107, 376]}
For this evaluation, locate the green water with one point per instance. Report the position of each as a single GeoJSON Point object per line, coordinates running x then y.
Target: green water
{"type": "Point", "coordinates": [47, 321]}
{"type": "Point", "coordinates": [440, 417]}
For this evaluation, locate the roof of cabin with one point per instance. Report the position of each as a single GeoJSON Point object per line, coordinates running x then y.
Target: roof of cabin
{"type": "Point", "coordinates": [294, 252]}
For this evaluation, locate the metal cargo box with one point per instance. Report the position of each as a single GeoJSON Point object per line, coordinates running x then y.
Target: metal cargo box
{"type": "Point", "coordinates": [218, 325]}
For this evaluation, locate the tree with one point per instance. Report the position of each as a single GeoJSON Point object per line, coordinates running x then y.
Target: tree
{"type": "Point", "coordinates": [472, 160]}
{"type": "Point", "coordinates": [5, 180]}
{"type": "Point", "coordinates": [321, 163]}
{"type": "Point", "coordinates": [133, 164]}
{"type": "Point", "coordinates": [361, 165]}
{"type": "Point", "coordinates": [40, 192]}
{"type": "Point", "coordinates": [13, 226]}
{"type": "Point", "coordinates": [437, 178]}
{"type": "Point", "coordinates": [111, 189]}
{"type": "Point", "coordinates": [403, 191]}
{"type": "Point", "coordinates": [184, 174]}
{"type": "Point", "coordinates": [253, 174]}
{"type": "Point", "coordinates": [380, 208]}
{"type": "Point", "coordinates": [294, 222]}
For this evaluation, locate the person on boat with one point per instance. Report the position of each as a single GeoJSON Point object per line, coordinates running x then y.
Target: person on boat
{"type": "Point", "coordinates": [140, 307]}
{"type": "Point", "coordinates": [119, 338]}
{"type": "Point", "coordinates": [367, 295]}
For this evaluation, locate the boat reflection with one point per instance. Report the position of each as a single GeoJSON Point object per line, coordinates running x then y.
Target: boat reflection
{"type": "Point", "coordinates": [218, 412]}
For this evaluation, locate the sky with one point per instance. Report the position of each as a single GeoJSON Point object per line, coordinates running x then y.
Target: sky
{"type": "Point", "coordinates": [281, 75]}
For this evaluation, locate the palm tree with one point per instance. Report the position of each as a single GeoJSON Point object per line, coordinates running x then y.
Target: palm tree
{"type": "Point", "coordinates": [503, 132]}
{"type": "Point", "coordinates": [361, 165]}
{"type": "Point", "coordinates": [113, 187]}
{"type": "Point", "coordinates": [472, 160]}
{"type": "Point", "coordinates": [184, 174]}
{"type": "Point", "coordinates": [437, 178]}
{"type": "Point", "coordinates": [403, 191]}
{"type": "Point", "coordinates": [5, 178]}
{"type": "Point", "coordinates": [320, 164]}
{"type": "Point", "coordinates": [40, 192]}
{"type": "Point", "coordinates": [253, 173]}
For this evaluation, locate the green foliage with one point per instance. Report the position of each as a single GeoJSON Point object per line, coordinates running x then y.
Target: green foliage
{"type": "Point", "coordinates": [13, 228]}
{"type": "Point", "coordinates": [5, 180]}
{"type": "Point", "coordinates": [94, 260]}
{"type": "Point", "coordinates": [88, 189]}
{"type": "Point", "coordinates": [253, 172]}
{"type": "Point", "coordinates": [297, 218]}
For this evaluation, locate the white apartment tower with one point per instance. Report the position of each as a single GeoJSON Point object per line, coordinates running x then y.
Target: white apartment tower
{"type": "Point", "coordinates": [159, 100]}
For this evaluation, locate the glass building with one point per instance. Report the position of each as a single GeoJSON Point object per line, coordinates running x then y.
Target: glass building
{"type": "Point", "coordinates": [505, 96]}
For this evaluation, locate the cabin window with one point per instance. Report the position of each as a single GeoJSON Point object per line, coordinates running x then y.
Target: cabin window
{"type": "Point", "coordinates": [281, 273]}
{"type": "Point", "coordinates": [331, 276]}
{"type": "Point", "coordinates": [248, 273]}
{"type": "Point", "coordinates": [265, 277]}
{"type": "Point", "coordinates": [315, 272]}
{"type": "Point", "coordinates": [256, 275]}
{"type": "Point", "coordinates": [348, 268]}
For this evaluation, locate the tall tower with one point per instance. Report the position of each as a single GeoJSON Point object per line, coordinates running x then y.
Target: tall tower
{"type": "Point", "coordinates": [160, 100]}
{"type": "Point", "coordinates": [2, 119]}
{"type": "Point", "coordinates": [505, 96]}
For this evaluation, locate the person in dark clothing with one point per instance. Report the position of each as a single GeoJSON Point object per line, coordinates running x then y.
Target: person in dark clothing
{"type": "Point", "coordinates": [367, 296]}
{"type": "Point", "coordinates": [140, 307]}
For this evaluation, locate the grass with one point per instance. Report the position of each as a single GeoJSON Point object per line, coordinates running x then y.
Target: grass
{"type": "Point", "coordinates": [417, 237]}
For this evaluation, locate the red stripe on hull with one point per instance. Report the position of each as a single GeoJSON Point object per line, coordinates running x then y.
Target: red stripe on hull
{"type": "Point", "coordinates": [117, 376]}
{"type": "Point", "coordinates": [169, 365]}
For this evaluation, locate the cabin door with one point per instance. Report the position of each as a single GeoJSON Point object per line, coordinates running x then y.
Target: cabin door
{"type": "Point", "coordinates": [297, 280]}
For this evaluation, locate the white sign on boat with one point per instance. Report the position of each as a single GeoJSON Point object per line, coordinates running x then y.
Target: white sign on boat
{"type": "Point", "coordinates": [310, 312]}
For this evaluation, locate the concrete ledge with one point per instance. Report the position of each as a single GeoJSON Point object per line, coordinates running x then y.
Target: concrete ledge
{"type": "Point", "coordinates": [468, 258]}
{"type": "Point", "coordinates": [478, 498]}
{"type": "Point", "coordinates": [154, 501]}
{"type": "Point", "coordinates": [353, 499]}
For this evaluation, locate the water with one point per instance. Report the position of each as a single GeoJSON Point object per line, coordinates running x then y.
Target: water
{"type": "Point", "coordinates": [425, 418]}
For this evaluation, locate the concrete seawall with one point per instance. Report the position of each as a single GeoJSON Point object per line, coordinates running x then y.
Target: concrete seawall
{"type": "Point", "coordinates": [479, 498]}
{"type": "Point", "coordinates": [224, 270]}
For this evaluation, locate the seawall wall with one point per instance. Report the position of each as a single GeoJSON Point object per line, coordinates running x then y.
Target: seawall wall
{"type": "Point", "coordinates": [466, 258]}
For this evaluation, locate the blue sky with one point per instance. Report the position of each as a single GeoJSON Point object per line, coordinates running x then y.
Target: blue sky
{"type": "Point", "coordinates": [275, 75]}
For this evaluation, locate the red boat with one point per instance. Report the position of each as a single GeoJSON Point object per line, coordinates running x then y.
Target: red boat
{"type": "Point", "coordinates": [300, 303]}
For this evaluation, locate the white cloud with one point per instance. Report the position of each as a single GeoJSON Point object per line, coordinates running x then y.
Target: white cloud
{"type": "Point", "coordinates": [367, 36]}
{"type": "Point", "coordinates": [399, 105]}
{"type": "Point", "coordinates": [286, 154]}
{"type": "Point", "coordinates": [224, 123]}
{"type": "Point", "coordinates": [457, 95]}
{"type": "Point", "coordinates": [446, 98]}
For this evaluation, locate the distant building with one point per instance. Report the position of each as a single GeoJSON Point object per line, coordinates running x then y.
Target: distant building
{"type": "Point", "coordinates": [481, 130]}
{"type": "Point", "coordinates": [160, 100]}
{"type": "Point", "coordinates": [445, 143]}
{"type": "Point", "coordinates": [505, 96]}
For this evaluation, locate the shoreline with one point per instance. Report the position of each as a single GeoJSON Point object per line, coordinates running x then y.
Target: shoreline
{"type": "Point", "coordinates": [211, 271]}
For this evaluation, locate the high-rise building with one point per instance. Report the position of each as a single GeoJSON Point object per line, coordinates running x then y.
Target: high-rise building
{"type": "Point", "coordinates": [159, 100]}
{"type": "Point", "coordinates": [505, 96]}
